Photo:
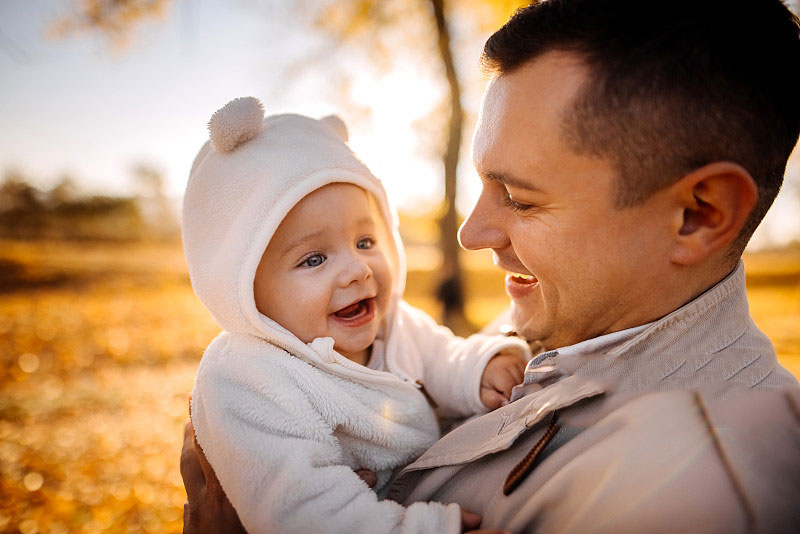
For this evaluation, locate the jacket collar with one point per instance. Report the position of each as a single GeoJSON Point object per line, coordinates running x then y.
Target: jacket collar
{"type": "Point", "coordinates": [625, 364]}
{"type": "Point", "coordinates": [725, 302]}
{"type": "Point", "coordinates": [706, 325]}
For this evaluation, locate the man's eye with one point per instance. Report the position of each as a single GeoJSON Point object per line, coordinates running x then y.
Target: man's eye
{"type": "Point", "coordinates": [365, 243]}
{"type": "Point", "coordinates": [313, 261]}
{"type": "Point", "coordinates": [516, 206]}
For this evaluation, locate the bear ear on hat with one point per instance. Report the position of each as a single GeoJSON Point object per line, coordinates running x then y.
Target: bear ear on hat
{"type": "Point", "coordinates": [338, 125]}
{"type": "Point", "coordinates": [235, 123]}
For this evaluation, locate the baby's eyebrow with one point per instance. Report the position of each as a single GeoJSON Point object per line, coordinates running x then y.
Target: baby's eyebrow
{"type": "Point", "coordinates": [367, 219]}
{"type": "Point", "coordinates": [301, 241]}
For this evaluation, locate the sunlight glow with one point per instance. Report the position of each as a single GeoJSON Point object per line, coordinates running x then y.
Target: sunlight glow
{"type": "Point", "coordinates": [391, 145]}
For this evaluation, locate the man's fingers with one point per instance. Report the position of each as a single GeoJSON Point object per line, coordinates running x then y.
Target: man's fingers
{"type": "Point", "coordinates": [191, 470]}
{"type": "Point", "coordinates": [187, 518]}
{"type": "Point", "coordinates": [368, 476]}
{"type": "Point", "coordinates": [207, 508]}
{"type": "Point", "coordinates": [469, 520]}
{"type": "Point", "coordinates": [188, 434]}
{"type": "Point", "coordinates": [213, 486]}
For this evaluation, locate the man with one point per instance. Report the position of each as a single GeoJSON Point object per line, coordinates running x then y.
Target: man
{"type": "Point", "coordinates": [627, 151]}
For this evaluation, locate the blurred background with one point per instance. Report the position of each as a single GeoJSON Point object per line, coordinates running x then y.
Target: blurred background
{"type": "Point", "coordinates": [103, 106]}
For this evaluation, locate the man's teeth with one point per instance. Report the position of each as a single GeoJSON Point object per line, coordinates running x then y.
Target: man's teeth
{"type": "Point", "coordinates": [523, 276]}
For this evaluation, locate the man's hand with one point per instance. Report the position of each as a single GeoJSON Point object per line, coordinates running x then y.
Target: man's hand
{"type": "Point", "coordinates": [502, 373]}
{"type": "Point", "coordinates": [207, 509]}
{"type": "Point", "coordinates": [470, 521]}
{"type": "Point", "coordinates": [369, 477]}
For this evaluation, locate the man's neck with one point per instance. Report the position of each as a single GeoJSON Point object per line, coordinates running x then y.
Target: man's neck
{"type": "Point", "coordinates": [675, 290]}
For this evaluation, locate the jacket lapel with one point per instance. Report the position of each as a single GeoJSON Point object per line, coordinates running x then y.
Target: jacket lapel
{"type": "Point", "coordinates": [498, 430]}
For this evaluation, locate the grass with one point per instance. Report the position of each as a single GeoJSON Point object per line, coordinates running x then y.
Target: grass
{"type": "Point", "coordinates": [99, 344]}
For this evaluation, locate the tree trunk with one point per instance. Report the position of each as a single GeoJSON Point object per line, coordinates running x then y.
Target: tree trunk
{"type": "Point", "coordinates": [450, 290]}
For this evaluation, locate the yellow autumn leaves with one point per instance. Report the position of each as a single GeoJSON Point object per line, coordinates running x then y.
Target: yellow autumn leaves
{"type": "Point", "coordinates": [99, 345]}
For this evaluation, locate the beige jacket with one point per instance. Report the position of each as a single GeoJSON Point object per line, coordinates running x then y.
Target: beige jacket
{"type": "Point", "coordinates": [691, 425]}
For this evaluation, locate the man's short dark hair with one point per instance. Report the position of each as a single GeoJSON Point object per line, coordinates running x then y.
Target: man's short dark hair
{"type": "Point", "coordinates": [673, 85]}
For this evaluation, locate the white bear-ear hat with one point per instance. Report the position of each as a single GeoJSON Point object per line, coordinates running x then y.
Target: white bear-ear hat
{"type": "Point", "coordinates": [243, 182]}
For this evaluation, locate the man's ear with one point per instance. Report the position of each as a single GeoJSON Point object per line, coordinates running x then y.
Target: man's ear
{"type": "Point", "coordinates": [711, 205]}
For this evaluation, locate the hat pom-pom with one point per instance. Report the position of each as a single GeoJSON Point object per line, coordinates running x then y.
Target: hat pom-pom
{"type": "Point", "coordinates": [235, 123]}
{"type": "Point", "coordinates": [338, 125]}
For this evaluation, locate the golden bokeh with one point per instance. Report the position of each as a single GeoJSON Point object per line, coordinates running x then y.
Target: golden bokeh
{"type": "Point", "coordinates": [100, 344]}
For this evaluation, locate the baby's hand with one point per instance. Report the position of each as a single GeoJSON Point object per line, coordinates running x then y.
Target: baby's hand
{"type": "Point", "coordinates": [503, 372]}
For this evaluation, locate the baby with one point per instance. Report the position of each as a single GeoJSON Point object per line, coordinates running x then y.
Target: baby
{"type": "Point", "coordinates": [321, 368]}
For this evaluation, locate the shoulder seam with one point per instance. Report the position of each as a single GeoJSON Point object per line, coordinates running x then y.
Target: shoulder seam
{"type": "Point", "coordinates": [747, 506]}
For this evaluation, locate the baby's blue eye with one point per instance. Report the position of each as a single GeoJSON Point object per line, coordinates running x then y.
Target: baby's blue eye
{"type": "Point", "coordinates": [314, 261]}
{"type": "Point", "coordinates": [365, 243]}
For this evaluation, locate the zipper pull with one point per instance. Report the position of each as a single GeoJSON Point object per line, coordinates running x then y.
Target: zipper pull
{"type": "Point", "coordinates": [428, 397]}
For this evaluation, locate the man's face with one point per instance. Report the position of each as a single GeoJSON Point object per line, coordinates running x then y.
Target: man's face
{"type": "Point", "coordinates": [548, 214]}
{"type": "Point", "coordinates": [326, 272]}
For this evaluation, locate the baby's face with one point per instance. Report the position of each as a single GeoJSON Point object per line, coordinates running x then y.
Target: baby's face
{"type": "Point", "coordinates": [326, 271]}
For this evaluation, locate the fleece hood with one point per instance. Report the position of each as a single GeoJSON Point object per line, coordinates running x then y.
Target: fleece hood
{"type": "Point", "coordinates": [244, 181]}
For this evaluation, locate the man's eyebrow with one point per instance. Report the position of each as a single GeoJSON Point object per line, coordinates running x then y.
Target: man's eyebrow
{"type": "Point", "coordinates": [510, 180]}
{"type": "Point", "coordinates": [301, 241]}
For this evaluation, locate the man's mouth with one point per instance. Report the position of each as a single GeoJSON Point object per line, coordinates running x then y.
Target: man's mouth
{"type": "Point", "coordinates": [519, 285]}
{"type": "Point", "coordinates": [356, 314]}
{"type": "Point", "coordinates": [524, 279]}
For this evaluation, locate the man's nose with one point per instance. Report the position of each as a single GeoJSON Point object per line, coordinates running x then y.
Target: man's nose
{"type": "Point", "coordinates": [482, 228]}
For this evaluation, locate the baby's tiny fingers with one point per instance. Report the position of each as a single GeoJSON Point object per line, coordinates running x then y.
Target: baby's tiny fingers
{"type": "Point", "coordinates": [517, 373]}
{"type": "Point", "coordinates": [492, 398]}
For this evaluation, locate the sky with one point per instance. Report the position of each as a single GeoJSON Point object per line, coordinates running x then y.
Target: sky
{"type": "Point", "coordinates": [74, 106]}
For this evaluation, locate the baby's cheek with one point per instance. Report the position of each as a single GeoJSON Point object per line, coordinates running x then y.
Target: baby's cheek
{"type": "Point", "coordinates": [386, 280]}
{"type": "Point", "coordinates": [389, 275]}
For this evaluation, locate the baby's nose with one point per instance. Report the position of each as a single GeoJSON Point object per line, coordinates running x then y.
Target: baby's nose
{"type": "Point", "coordinates": [356, 270]}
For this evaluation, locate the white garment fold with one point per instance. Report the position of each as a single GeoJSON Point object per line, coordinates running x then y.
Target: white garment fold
{"type": "Point", "coordinates": [284, 431]}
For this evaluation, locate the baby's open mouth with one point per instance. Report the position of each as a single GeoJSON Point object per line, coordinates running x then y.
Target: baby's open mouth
{"type": "Point", "coordinates": [362, 309]}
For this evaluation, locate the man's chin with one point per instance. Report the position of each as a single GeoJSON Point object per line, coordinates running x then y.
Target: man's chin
{"type": "Point", "coordinates": [523, 322]}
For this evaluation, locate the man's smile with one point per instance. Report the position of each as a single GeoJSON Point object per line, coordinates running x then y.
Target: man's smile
{"type": "Point", "coordinates": [523, 278]}
{"type": "Point", "coordinates": [520, 285]}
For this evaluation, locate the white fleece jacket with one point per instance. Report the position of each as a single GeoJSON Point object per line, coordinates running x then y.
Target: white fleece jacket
{"type": "Point", "coordinates": [285, 423]}
{"type": "Point", "coordinates": [284, 431]}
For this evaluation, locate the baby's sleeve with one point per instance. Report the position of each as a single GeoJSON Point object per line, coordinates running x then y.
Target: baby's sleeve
{"type": "Point", "coordinates": [279, 461]}
{"type": "Point", "coordinates": [452, 366]}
